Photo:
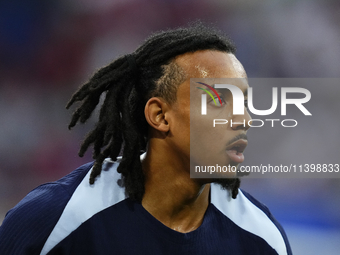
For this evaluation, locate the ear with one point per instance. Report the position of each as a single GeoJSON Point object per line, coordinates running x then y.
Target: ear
{"type": "Point", "coordinates": [156, 111]}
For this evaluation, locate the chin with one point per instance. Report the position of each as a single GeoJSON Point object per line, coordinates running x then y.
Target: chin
{"type": "Point", "coordinates": [226, 183]}
{"type": "Point", "coordinates": [222, 180]}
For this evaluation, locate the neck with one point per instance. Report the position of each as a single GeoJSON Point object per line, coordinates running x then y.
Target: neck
{"type": "Point", "coordinates": [171, 196]}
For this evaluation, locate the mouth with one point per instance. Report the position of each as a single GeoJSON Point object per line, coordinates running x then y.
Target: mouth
{"type": "Point", "coordinates": [235, 150]}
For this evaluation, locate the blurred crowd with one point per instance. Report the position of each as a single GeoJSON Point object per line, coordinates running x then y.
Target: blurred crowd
{"type": "Point", "coordinates": [49, 48]}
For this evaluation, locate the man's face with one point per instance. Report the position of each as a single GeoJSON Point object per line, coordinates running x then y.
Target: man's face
{"type": "Point", "coordinates": [194, 133]}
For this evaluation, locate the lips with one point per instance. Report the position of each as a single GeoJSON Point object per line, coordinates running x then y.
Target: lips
{"type": "Point", "coordinates": [235, 150]}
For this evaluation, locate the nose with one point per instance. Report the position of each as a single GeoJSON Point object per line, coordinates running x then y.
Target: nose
{"type": "Point", "coordinates": [241, 122]}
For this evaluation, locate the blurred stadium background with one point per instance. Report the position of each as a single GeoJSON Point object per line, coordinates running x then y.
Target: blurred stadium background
{"type": "Point", "coordinates": [49, 48]}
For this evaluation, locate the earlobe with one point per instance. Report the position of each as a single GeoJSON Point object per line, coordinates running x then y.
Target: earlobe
{"type": "Point", "coordinates": [156, 114]}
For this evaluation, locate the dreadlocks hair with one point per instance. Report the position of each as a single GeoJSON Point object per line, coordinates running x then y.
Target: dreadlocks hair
{"type": "Point", "coordinates": [127, 83]}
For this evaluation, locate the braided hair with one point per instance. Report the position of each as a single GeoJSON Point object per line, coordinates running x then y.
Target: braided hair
{"type": "Point", "coordinates": [128, 82]}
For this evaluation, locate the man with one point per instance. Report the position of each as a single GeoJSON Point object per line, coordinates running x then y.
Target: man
{"type": "Point", "coordinates": [148, 204]}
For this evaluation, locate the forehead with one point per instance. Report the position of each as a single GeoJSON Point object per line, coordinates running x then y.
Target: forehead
{"type": "Point", "coordinates": [211, 64]}
{"type": "Point", "coordinates": [208, 64]}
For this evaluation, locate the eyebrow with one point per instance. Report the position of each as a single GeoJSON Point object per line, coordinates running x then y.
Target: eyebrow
{"type": "Point", "coordinates": [211, 88]}
{"type": "Point", "coordinates": [245, 92]}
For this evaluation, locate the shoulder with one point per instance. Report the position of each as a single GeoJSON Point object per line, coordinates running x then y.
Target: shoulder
{"type": "Point", "coordinates": [87, 201]}
{"type": "Point", "coordinates": [251, 215]}
{"type": "Point", "coordinates": [27, 226]}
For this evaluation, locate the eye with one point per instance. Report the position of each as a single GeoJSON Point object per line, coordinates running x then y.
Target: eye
{"type": "Point", "coordinates": [246, 103]}
{"type": "Point", "coordinates": [218, 103]}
